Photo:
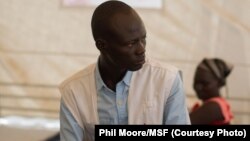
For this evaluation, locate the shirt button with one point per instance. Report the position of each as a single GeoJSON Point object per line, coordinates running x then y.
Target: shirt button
{"type": "Point", "coordinates": [119, 102]}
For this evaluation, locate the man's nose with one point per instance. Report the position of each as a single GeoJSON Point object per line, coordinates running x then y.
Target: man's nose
{"type": "Point", "coordinates": [141, 47]}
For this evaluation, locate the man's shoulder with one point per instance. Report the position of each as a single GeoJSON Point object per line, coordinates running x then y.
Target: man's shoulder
{"type": "Point", "coordinates": [156, 64]}
{"type": "Point", "coordinates": [78, 76]}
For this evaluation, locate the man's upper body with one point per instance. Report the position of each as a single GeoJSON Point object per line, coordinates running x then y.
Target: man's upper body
{"type": "Point", "coordinates": [152, 95]}
{"type": "Point", "coordinates": [122, 87]}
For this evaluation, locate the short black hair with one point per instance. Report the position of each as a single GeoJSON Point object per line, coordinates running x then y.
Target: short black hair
{"type": "Point", "coordinates": [102, 15]}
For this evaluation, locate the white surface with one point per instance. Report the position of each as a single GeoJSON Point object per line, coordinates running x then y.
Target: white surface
{"type": "Point", "coordinates": [27, 129]}
{"type": "Point", "coordinates": [29, 123]}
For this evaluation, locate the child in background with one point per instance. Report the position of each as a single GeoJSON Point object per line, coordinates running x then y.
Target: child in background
{"type": "Point", "coordinates": [210, 77]}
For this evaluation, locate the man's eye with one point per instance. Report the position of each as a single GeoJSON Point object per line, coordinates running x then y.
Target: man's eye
{"type": "Point", "coordinates": [131, 44]}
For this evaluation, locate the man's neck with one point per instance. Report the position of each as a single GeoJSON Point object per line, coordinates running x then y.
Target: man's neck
{"type": "Point", "coordinates": [110, 74]}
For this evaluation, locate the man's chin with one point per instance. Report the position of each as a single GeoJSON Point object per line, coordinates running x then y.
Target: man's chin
{"type": "Point", "coordinates": [136, 68]}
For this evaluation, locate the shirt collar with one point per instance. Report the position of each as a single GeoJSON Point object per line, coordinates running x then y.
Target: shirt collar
{"type": "Point", "coordinates": [99, 82]}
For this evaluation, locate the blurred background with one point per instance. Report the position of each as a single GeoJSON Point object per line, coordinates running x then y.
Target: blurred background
{"type": "Point", "coordinates": [44, 41]}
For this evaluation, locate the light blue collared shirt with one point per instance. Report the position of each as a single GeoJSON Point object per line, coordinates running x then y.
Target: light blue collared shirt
{"type": "Point", "coordinates": [112, 107]}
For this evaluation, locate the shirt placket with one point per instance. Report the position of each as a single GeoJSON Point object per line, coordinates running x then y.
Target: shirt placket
{"type": "Point", "coordinates": [121, 104]}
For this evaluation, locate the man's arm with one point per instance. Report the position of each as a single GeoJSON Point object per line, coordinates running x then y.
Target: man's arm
{"type": "Point", "coordinates": [175, 111]}
{"type": "Point", "coordinates": [69, 128]}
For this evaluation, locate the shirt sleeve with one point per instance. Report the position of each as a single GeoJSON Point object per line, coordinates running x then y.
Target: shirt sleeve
{"type": "Point", "coordinates": [69, 129]}
{"type": "Point", "coordinates": [176, 111]}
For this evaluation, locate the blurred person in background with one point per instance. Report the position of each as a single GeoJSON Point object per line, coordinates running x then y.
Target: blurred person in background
{"type": "Point", "coordinates": [210, 76]}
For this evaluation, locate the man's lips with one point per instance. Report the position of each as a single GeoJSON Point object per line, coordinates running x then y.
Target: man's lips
{"type": "Point", "coordinates": [141, 61]}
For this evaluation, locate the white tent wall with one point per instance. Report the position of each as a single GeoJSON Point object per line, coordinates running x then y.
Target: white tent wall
{"type": "Point", "coordinates": [42, 42]}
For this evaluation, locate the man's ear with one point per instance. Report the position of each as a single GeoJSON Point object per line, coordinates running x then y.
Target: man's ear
{"type": "Point", "coordinates": [101, 44]}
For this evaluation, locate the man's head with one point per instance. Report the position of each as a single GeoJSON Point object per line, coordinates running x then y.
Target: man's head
{"type": "Point", "coordinates": [120, 35]}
